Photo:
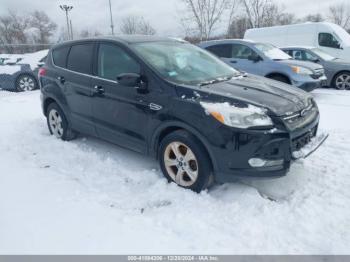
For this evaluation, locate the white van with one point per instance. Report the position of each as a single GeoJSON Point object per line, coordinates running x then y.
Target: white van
{"type": "Point", "coordinates": [329, 37]}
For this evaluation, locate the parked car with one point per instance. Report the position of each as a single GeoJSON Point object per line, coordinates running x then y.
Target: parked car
{"type": "Point", "coordinates": [328, 37]}
{"type": "Point", "coordinates": [10, 59]}
{"type": "Point", "coordinates": [22, 76]}
{"type": "Point", "coordinates": [269, 61]}
{"type": "Point", "coordinates": [169, 99]}
{"type": "Point", "coordinates": [337, 70]}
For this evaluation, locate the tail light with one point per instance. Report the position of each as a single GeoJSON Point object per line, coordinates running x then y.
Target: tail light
{"type": "Point", "coordinates": [42, 72]}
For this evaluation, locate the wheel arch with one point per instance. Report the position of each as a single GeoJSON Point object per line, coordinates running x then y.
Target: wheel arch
{"type": "Point", "coordinates": [339, 73]}
{"type": "Point", "coordinates": [271, 75]}
{"type": "Point", "coordinates": [27, 74]}
{"type": "Point", "coordinates": [172, 126]}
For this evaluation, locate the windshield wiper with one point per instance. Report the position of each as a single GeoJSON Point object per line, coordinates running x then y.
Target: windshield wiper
{"type": "Point", "coordinates": [217, 80]}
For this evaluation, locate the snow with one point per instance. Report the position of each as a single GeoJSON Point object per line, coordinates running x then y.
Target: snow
{"type": "Point", "coordinates": [90, 197]}
{"type": "Point", "coordinates": [9, 70]}
{"type": "Point", "coordinates": [33, 59]}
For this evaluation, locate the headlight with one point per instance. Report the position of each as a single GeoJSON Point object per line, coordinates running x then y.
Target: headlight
{"type": "Point", "coordinates": [240, 117]}
{"type": "Point", "coordinates": [301, 70]}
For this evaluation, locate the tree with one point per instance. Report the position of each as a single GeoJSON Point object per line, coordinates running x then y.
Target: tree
{"type": "Point", "coordinates": [261, 13]}
{"type": "Point", "coordinates": [131, 25]}
{"type": "Point", "coordinates": [46, 27]}
{"type": "Point", "coordinates": [13, 30]}
{"type": "Point", "coordinates": [204, 15]}
{"type": "Point", "coordinates": [313, 18]}
{"type": "Point", "coordinates": [340, 15]}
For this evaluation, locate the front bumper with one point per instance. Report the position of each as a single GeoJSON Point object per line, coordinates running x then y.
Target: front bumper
{"type": "Point", "coordinates": [311, 84]}
{"type": "Point", "coordinates": [276, 147]}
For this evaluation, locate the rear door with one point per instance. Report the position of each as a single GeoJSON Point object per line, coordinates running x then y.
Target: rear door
{"type": "Point", "coordinates": [121, 113]}
{"type": "Point", "coordinates": [77, 86]}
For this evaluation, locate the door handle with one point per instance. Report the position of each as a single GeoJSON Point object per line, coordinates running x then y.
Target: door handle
{"type": "Point", "coordinates": [99, 90]}
{"type": "Point", "coordinates": [61, 79]}
{"type": "Point", "coordinates": [233, 61]}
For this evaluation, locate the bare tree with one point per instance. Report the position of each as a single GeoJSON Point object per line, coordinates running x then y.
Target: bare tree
{"type": "Point", "coordinates": [44, 24]}
{"type": "Point", "coordinates": [131, 25]}
{"type": "Point", "coordinates": [238, 27]}
{"type": "Point", "coordinates": [340, 14]}
{"type": "Point", "coordinates": [262, 13]}
{"type": "Point", "coordinates": [13, 30]}
{"type": "Point", "coordinates": [204, 14]}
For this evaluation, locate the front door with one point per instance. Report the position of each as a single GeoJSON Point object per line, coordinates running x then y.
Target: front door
{"type": "Point", "coordinates": [121, 113]}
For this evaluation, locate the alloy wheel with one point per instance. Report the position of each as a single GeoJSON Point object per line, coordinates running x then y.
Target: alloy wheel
{"type": "Point", "coordinates": [55, 122]}
{"type": "Point", "coordinates": [343, 81]}
{"type": "Point", "coordinates": [26, 83]}
{"type": "Point", "coordinates": [181, 164]}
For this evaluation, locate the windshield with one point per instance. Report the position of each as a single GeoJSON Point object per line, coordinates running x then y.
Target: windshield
{"type": "Point", "coordinates": [342, 35]}
{"type": "Point", "coordinates": [184, 63]}
{"type": "Point", "coordinates": [272, 52]}
{"type": "Point", "coordinates": [323, 55]}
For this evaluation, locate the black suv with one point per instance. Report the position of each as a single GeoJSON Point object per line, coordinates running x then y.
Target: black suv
{"type": "Point", "coordinates": [164, 97]}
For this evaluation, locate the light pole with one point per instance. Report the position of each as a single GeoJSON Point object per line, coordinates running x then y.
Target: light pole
{"type": "Point", "coordinates": [67, 8]}
{"type": "Point", "coordinates": [110, 12]}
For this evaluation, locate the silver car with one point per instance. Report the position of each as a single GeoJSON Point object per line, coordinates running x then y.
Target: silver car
{"type": "Point", "coordinates": [268, 61]}
{"type": "Point", "coordinates": [337, 70]}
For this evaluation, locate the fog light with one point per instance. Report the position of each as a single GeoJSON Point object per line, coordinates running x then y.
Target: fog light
{"type": "Point", "coordinates": [257, 162]}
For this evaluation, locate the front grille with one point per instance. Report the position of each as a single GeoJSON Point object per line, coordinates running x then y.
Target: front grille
{"type": "Point", "coordinates": [299, 142]}
{"type": "Point", "coordinates": [318, 73]}
{"type": "Point", "coordinates": [301, 118]}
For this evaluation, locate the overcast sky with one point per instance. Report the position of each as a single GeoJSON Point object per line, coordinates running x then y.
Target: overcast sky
{"type": "Point", "coordinates": [163, 14]}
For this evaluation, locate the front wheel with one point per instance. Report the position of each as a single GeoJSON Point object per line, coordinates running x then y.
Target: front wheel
{"type": "Point", "coordinates": [58, 124]}
{"type": "Point", "coordinates": [185, 161]}
{"type": "Point", "coordinates": [26, 83]}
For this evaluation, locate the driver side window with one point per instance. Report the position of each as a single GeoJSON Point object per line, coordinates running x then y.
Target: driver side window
{"type": "Point", "coordinates": [242, 52]}
{"type": "Point", "coordinates": [113, 61]}
{"type": "Point", "coordinates": [328, 40]}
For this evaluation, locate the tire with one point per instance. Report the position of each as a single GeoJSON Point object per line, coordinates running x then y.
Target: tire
{"type": "Point", "coordinates": [26, 83]}
{"type": "Point", "coordinates": [280, 78]}
{"type": "Point", "coordinates": [341, 81]}
{"type": "Point", "coordinates": [58, 124]}
{"type": "Point", "coordinates": [195, 172]}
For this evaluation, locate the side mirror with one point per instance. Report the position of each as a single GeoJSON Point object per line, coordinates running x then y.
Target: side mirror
{"type": "Point", "coordinates": [316, 60]}
{"type": "Point", "coordinates": [254, 58]}
{"type": "Point", "coordinates": [132, 80]}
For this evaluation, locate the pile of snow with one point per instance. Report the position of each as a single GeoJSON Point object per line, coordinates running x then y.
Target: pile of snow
{"type": "Point", "coordinates": [90, 197]}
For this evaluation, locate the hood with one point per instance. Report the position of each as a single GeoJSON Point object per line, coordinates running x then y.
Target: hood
{"type": "Point", "coordinates": [308, 65]}
{"type": "Point", "coordinates": [280, 99]}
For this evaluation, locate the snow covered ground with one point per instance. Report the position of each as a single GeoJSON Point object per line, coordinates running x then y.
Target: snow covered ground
{"type": "Point", "coordinates": [90, 197]}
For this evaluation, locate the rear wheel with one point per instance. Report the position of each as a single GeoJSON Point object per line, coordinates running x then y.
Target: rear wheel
{"type": "Point", "coordinates": [58, 124]}
{"type": "Point", "coordinates": [185, 161]}
{"type": "Point", "coordinates": [26, 83]}
{"type": "Point", "coordinates": [342, 81]}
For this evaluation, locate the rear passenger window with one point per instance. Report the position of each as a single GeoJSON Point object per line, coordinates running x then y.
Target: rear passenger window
{"type": "Point", "coordinates": [80, 58]}
{"type": "Point", "coordinates": [59, 56]}
{"type": "Point", "coordinates": [223, 50]}
{"type": "Point", "coordinates": [113, 61]}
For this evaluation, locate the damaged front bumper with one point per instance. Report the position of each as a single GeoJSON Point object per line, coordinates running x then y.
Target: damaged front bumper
{"type": "Point", "coordinates": [311, 145]}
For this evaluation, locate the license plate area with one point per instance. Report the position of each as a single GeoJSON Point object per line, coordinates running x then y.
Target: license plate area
{"type": "Point", "coordinates": [305, 145]}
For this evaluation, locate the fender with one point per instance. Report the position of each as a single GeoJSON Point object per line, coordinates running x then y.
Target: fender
{"type": "Point", "coordinates": [153, 150]}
